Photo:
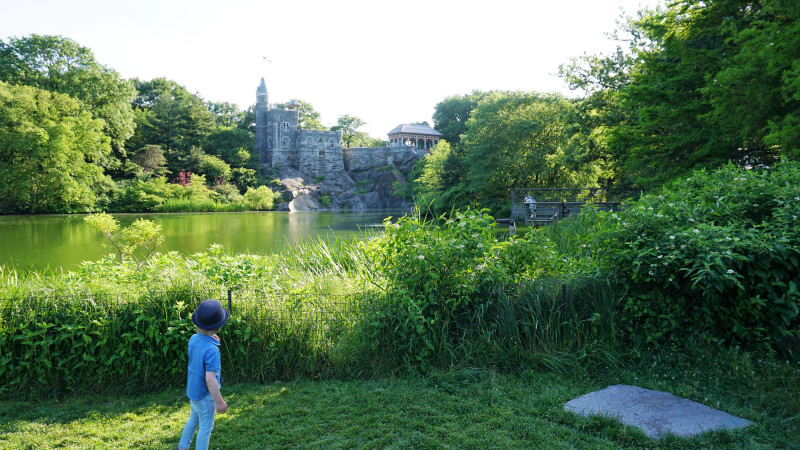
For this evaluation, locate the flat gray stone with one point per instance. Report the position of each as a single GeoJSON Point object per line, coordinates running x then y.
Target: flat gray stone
{"type": "Point", "coordinates": [654, 412]}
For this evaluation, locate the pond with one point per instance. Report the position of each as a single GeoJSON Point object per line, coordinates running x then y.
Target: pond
{"type": "Point", "coordinates": [63, 241]}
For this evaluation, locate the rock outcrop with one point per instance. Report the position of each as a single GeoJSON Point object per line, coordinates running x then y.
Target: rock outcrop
{"type": "Point", "coordinates": [371, 188]}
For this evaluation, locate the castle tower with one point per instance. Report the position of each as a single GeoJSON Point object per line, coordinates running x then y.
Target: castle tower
{"type": "Point", "coordinates": [263, 147]}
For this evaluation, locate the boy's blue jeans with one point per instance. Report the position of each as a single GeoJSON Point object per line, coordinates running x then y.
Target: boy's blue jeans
{"type": "Point", "coordinates": [202, 417]}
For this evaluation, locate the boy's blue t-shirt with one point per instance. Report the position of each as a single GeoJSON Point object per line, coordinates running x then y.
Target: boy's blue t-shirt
{"type": "Point", "coordinates": [203, 357]}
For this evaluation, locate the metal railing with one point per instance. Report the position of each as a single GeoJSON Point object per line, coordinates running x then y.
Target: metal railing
{"type": "Point", "coordinates": [553, 204]}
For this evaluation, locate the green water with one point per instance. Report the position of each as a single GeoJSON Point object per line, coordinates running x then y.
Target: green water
{"type": "Point", "coordinates": [63, 241]}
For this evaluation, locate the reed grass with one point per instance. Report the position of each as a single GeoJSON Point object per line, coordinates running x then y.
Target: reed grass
{"type": "Point", "coordinates": [198, 205]}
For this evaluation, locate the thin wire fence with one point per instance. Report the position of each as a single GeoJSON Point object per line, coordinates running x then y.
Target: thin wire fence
{"type": "Point", "coordinates": [63, 342]}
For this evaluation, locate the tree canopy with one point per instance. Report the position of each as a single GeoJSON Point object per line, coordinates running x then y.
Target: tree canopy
{"type": "Point", "coordinates": [511, 139]}
{"type": "Point", "coordinates": [348, 125]}
{"type": "Point", "coordinates": [451, 115]}
{"type": "Point", "coordinates": [49, 150]}
{"type": "Point", "coordinates": [171, 117]}
{"type": "Point", "coordinates": [700, 83]}
{"type": "Point", "coordinates": [59, 64]}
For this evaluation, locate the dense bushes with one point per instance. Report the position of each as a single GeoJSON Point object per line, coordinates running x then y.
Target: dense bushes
{"type": "Point", "coordinates": [190, 193]}
{"type": "Point", "coordinates": [75, 343]}
{"type": "Point", "coordinates": [449, 277]}
{"type": "Point", "coordinates": [715, 254]}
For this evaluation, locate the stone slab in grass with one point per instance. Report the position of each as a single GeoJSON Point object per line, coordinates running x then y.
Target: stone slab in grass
{"type": "Point", "coordinates": [654, 412]}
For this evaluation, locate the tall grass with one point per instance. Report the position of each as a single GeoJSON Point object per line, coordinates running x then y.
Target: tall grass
{"type": "Point", "coordinates": [198, 205]}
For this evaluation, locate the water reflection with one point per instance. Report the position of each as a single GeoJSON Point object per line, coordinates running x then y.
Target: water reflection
{"type": "Point", "coordinates": [64, 241]}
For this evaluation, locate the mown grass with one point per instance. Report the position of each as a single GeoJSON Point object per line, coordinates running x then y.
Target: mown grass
{"type": "Point", "coordinates": [460, 408]}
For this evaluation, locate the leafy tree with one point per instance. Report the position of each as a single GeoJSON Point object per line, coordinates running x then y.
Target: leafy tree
{"type": "Point", "coordinates": [362, 139]}
{"type": "Point", "coordinates": [142, 233]}
{"type": "Point", "coordinates": [232, 145]}
{"type": "Point", "coordinates": [170, 116]}
{"type": "Point", "coordinates": [451, 115]}
{"type": "Point", "coordinates": [243, 178]}
{"type": "Point", "coordinates": [149, 160]}
{"type": "Point", "coordinates": [307, 118]}
{"type": "Point", "coordinates": [193, 161]}
{"type": "Point", "coordinates": [441, 182]}
{"type": "Point", "coordinates": [525, 139]}
{"type": "Point", "coordinates": [755, 97]}
{"type": "Point", "coordinates": [50, 148]}
{"type": "Point", "coordinates": [702, 83]}
{"type": "Point", "coordinates": [431, 177]}
{"type": "Point", "coordinates": [227, 114]}
{"type": "Point", "coordinates": [59, 64]}
{"type": "Point", "coordinates": [215, 168]}
{"type": "Point", "coordinates": [248, 122]}
{"type": "Point", "coordinates": [348, 125]}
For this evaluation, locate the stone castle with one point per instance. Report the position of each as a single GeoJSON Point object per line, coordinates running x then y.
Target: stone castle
{"type": "Point", "coordinates": [280, 144]}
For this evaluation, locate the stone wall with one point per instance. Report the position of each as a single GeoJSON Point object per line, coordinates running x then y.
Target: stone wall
{"type": "Point", "coordinates": [319, 152]}
{"type": "Point", "coordinates": [359, 159]}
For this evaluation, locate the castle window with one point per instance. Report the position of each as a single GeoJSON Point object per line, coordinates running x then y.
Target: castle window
{"type": "Point", "coordinates": [321, 143]}
{"type": "Point", "coordinates": [309, 142]}
{"type": "Point", "coordinates": [285, 125]}
{"type": "Point", "coordinates": [331, 144]}
{"type": "Point", "coordinates": [269, 142]}
{"type": "Point", "coordinates": [285, 142]}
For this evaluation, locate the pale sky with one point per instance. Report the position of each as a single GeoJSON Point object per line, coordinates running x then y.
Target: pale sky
{"type": "Point", "coordinates": [386, 62]}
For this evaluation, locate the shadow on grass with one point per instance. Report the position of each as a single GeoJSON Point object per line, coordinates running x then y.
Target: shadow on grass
{"type": "Point", "coordinates": [464, 408]}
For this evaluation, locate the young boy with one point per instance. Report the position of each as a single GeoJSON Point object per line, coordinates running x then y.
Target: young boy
{"type": "Point", "coordinates": [203, 380]}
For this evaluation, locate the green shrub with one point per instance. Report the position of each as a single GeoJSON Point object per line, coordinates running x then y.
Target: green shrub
{"type": "Point", "coordinates": [319, 178]}
{"type": "Point", "coordinates": [215, 168]}
{"type": "Point", "coordinates": [362, 191]}
{"type": "Point", "coordinates": [260, 199]}
{"type": "Point", "coordinates": [715, 254]}
{"type": "Point", "coordinates": [325, 201]}
{"type": "Point", "coordinates": [441, 273]}
{"type": "Point", "coordinates": [139, 194]}
{"type": "Point", "coordinates": [228, 192]}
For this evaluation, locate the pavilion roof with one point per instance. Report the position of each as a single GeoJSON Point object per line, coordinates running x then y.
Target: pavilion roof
{"type": "Point", "coordinates": [414, 129]}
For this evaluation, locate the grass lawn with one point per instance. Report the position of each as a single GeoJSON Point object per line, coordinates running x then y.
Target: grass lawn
{"type": "Point", "coordinates": [460, 409]}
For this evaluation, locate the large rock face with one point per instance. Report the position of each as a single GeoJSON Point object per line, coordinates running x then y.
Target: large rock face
{"type": "Point", "coordinates": [369, 187]}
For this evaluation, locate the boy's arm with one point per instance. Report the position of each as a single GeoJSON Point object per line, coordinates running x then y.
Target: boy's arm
{"type": "Point", "coordinates": [213, 388]}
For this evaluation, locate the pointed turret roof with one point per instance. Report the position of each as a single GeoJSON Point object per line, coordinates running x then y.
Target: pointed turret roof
{"type": "Point", "coordinates": [262, 87]}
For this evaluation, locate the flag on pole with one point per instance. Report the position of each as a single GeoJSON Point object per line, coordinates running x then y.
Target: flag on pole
{"type": "Point", "coordinates": [265, 59]}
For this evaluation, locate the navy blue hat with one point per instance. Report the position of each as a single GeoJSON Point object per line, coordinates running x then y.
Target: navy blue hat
{"type": "Point", "coordinates": [210, 315]}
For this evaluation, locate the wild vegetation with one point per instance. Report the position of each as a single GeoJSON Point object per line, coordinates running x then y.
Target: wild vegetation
{"type": "Point", "coordinates": [688, 262]}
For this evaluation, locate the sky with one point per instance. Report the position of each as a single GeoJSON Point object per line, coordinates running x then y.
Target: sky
{"type": "Point", "coordinates": [385, 62]}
